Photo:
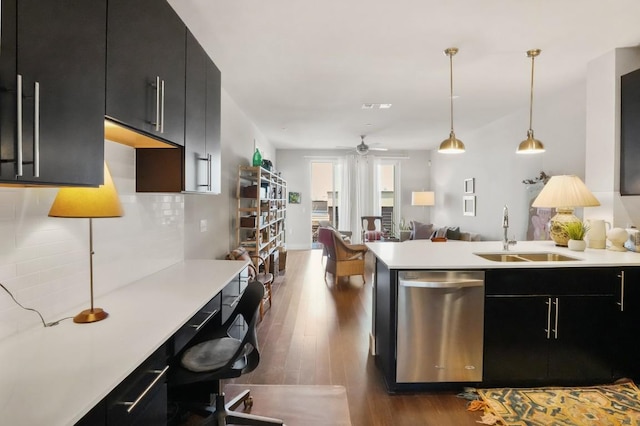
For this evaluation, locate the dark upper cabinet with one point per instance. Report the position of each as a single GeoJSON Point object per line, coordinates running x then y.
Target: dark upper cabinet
{"type": "Point", "coordinates": [146, 68]}
{"type": "Point", "coordinates": [202, 131]}
{"type": "Point", "coordinates": [196, 168]}
{"type": "Point", "coordinates": [52, 91]}
{"type": "Point", "coordinates": [214, 109]}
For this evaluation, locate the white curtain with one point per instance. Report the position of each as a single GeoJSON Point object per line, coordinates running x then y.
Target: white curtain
{"type": "Point", "coordinates": [357, 193]}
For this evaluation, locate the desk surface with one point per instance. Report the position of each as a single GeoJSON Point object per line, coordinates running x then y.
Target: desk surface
{"type": "Point", "coordinates": [55, 375]}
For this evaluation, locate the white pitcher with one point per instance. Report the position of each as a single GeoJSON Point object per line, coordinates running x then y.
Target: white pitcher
{"type": "Point", "coordinates": [597, 234]}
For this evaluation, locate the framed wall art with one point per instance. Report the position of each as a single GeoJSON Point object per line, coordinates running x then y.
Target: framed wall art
{"type": "Point", "coordinates": [469, 205]}
{"type": "Point", "coordinates": [469, 186]}
{"type": "Point", "coordinates": [294, 198]}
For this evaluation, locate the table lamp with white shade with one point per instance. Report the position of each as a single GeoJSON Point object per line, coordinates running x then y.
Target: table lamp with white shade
{"type": "Point", "coordinates": [564, 193]}
{"type": "Point", "coordinates": [88, 203]}
{"type": "Point", "coordinates": [423, 198]}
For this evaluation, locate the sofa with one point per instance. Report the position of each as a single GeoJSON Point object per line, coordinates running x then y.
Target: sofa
{"type": "Point", "coordinates": [427, 231]}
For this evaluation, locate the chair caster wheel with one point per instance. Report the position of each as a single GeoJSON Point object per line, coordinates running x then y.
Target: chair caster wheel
{"type": "Point", "coordinates": [248, 403]}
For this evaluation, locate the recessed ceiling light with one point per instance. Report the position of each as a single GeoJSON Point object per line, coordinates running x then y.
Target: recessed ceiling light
{"type": "Point", "coordinates": [376, 106]}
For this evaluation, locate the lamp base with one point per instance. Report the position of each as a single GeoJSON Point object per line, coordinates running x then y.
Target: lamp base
{"type": "Point", "coordinates": [90, 315]}
{"type": "Point", "coordinates": [557, 229]}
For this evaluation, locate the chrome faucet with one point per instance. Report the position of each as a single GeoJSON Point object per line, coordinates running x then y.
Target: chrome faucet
{"type": "Point", "coordinates": [505, 225]}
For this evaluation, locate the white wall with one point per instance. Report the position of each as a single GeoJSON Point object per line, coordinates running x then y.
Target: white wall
{"type": "Point", "coordinates": [295, 166]}
{"type": "Point", "coordinates": [239, 136]}
{"type": "Point", "coordinates": [44, 261]}
{"type": "Point", "coordinates": [490, 158]}
{"type": "Point", "coordinates": [603, 137]}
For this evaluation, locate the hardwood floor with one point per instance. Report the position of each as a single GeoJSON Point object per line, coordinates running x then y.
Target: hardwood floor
{"type": "Point", "coordinates": [317, 333]}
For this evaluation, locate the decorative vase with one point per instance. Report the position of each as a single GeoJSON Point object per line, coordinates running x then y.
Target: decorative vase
{"type": "Point", "coordinates": [257, 158]}
{"type": "Point", "coordinates": [577, 245]}
{"type": "Point", "coordinates": [618, 237]}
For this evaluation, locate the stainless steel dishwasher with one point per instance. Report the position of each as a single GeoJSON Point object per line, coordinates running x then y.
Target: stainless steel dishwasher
{"type": "Point", "coordinates": [440, 326]}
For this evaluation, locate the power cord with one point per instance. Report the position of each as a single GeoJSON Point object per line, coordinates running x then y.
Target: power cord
{"type": "Point", "coordinates": [45, 324]}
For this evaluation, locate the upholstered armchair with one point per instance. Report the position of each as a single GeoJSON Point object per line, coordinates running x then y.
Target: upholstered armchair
{"type": "Point", "coordinates": [343, 260]}
{"type": "Point", "coordinates": [346, 235]}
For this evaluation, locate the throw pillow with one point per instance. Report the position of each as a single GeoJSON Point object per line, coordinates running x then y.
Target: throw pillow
{"type": "Point", "coordinates": [441, 232]}
{"type": "Point", "coordinates": [453, 233]}
{"type": "Point", "coordinates": [421, 231]}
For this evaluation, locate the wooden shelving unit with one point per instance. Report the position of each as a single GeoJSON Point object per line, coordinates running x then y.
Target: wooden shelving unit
{"type": "Point", "coordinates": [261, 212]}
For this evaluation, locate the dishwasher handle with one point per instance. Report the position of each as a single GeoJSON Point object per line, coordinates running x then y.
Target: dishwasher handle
{"type": "Point", "coordinates": [442, 284]}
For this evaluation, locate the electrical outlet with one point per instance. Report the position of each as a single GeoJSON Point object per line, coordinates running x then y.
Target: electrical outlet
{"type": "Point", "coordinates": [203, 225]}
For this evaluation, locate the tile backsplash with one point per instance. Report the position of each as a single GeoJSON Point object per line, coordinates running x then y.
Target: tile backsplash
{"type": "Point", "coordinates": [44, 261]}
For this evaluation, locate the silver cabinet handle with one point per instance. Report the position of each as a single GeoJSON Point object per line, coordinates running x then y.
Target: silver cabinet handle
{"type": "Point", "coordinates": [19, 126]}
{"type": "Point", "coordinates": [199, 326]}
{"type": "Point", "coordinates": [208, 160]}
{"type": "Point", "coordinates": [132, 405]}
{"type": "Point", "coordinates": [548, 329]}
{"type": "Point", "coordinates": [555, 327]}
{"type": "Point", "coordinates": [621, 302]}
{"type": "Point", "coordinates": [162, 107]}
{"type": "Point", "coordinates": [157, 87]}
{"type": "Point", "coordinates": [234, 303]}
{"type": "Point", "coordinates": [209, 183]}
{"type": "Point", "coordinates": [36, 130]}
{"type": "Point", "coordinates": [442, 284]}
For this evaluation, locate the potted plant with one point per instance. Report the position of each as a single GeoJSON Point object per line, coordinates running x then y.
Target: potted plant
{"type": "Point", "coordinates": [576, 232]}
{"type": "Point", "coordinates": [405, 230]}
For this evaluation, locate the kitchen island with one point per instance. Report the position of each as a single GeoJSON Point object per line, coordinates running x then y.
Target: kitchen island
{"type": "Point", "coordinates": [540, 322]}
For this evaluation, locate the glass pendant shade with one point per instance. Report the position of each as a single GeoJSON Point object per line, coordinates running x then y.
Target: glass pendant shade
{"type": "Point", "coordinates": [452, 145]}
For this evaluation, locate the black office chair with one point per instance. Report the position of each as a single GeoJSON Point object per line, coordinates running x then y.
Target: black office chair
{"type": "Point", "coordinates": [219, 356]}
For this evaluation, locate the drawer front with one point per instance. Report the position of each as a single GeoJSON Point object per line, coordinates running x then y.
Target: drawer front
{"type": "Point", "coordinates": [142, 395]}
{"type": "Point", "coordinates": [195, 324]}
{"type": "Point", "coordinates": [231, 294]}
{"type": "Point", "coordinates": [552, 281]}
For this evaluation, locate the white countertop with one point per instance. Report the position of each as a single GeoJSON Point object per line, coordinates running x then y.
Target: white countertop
{"type": "Point", "coordinates": [424, 254]}
{"type": "Point", "coordinates": [55, 375]}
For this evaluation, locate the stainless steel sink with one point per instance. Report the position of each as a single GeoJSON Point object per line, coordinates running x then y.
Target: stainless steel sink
{"type": "Point", "coordinates": [526, 257]}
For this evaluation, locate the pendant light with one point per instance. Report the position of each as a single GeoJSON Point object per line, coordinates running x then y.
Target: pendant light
{"type": "Point", "coordinates": [531, 145]}
{"type": "Point", "coordinates": [451, 145]}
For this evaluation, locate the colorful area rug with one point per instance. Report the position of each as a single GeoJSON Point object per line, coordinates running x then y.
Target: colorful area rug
{"type": "Point", "coordinates": [617, 404]}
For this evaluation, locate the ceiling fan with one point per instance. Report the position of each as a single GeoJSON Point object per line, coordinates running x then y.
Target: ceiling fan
{"type": "Point", "coordinates": [363, 149]}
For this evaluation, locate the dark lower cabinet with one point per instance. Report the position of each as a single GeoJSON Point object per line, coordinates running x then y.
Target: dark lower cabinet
{"type": "Point", "coordinates": [52, 91]}
{"type": "Point", "coordinates": [146, 68]}
{"type": "Point", "coordinates": [628, 326]}
{"type": "Point", "coordinates": [141, 399]}
{"type": "Point", "coordinates": [550, 326]}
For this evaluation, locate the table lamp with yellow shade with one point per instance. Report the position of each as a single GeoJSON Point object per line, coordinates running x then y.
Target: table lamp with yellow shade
{"type": "Point", "coordinates": [88, 203]}
{"type": "Point", "coordinates": [564, 193]}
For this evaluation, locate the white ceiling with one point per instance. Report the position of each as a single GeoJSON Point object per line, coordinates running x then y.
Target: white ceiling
{"type": "Point", "coordinates": [301, 69]}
